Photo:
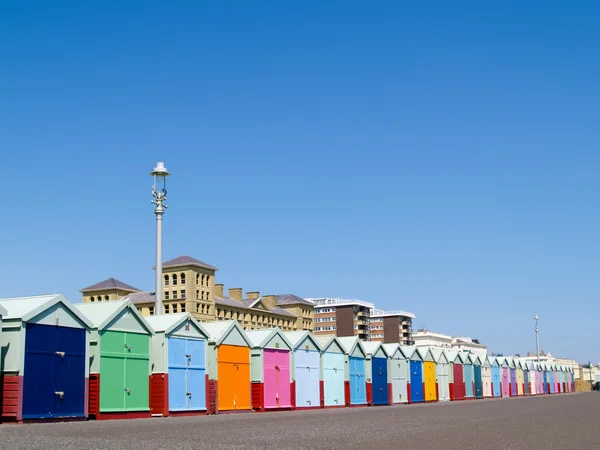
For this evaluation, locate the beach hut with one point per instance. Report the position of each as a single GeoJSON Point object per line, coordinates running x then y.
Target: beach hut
{"type": "Point", "coordinates": [477, 376]}
{"type": "Point", "coordinates": [556, 378]}
{"type": "Point", "coordinates": [178, 383]}
{"type": "Point", "coordinates": [356, 380]}
{"type": "Point", "coordinates": [378, 390]}
{"type": "Point", "coordinates": [468, 374]}
{"type": "Point", "coordinates": [531, 377]}
{"type": "Point", "coordinates": [526, 376]}
{"type": "Point", "coordinates": [429, 376]}
{"type": "Point", "coordinates": [415, 382]}
{"type": "Point", "coordinates": [539, 378]}
{"type": "Point", "coordinates": [270, 370]}
{"type": "Point", "coordinates": [228, 363]}
{"type": "Point", "coordinates": [510, 361]}
{"type": "Point", "coordinates": [457, 381]}
{"type": "Point", "coordinates": [2, 313]}
{"type": "Point", "coordinates": [45, 349]}
{"type": "Point", "coordinates": [520, 377]}
{"type": "Point", "coordinates": [572, 380]}
{"type": "Point", "coordinates": [505, 381]}
{"type": "Point", "coordinates": [486, 376]}
{"type": "Point", "coordinates": [496, 376]}
{"type": "Point", "coordinates": [546, 374]}
{"type": "Point", "coordinates": [333, 364]}
{"type": "Point", "coordinates": [306, 370]}
{"type": "Point", "coordinates": [398, 372]}
{"type": "Point", "coordinates": [119, 360]}
{"type": "Point", "coordinates": [442, 373]}
{"type": "Point", "coordinates": [551, 379]}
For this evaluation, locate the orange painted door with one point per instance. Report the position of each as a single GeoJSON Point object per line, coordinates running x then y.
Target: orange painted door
{"type": "Point", "coordinates": [429, 380]}
{"type": "Point", "coordinates": [234, 378]}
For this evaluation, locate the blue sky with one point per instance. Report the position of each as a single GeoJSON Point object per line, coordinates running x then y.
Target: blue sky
{"type": "Point", "coordinates": [436, 157]}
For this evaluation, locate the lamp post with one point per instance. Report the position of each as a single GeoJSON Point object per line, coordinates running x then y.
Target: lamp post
{"type": "Point", "coordinates": [159, 192]}
{"type": "Point", "coordinates": [537, 337]}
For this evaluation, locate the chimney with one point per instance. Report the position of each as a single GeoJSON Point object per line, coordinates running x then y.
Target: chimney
{"type": "Point", "coordinates": [270, 300]}
{"type": "Point", "coordinates": [252, 295]}
{"type": "Point", "coordinates": [219, 290]}
{"type": "Point", "coordinates": [235, 294]}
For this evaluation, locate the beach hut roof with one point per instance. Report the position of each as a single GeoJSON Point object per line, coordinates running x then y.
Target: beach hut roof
{"type": "Point", "coordinates": [297, 337]}
{"type": "Point", "coordinates": [349, 343]}
{"type": "Point", "coordinates": [372, 347]}
{"type": "Point", "coordinates": [166, 323]}
{"type": "Point", "coordinates": [260, 338]}
{"type": "Point", "coordinates": [219, 330]}
{"type": "Point", "coordinates": [27, 308]}
{"type": "Point", "coordinates": [101, 314]}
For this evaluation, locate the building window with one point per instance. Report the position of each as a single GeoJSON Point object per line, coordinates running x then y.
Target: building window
{"type": "Point", "coordinates": [182, 278]}
{"type": "Point", "coordinates": [197, 295]}
{"type": "Point", "coordinates": [166, 295]}
{"type": "Point", "coordinates": [207, 278]}
{"type": "Point", "coordinates": [182, 307]}
{"type": "Point", "coordinates": [182, 293]}
{"type": "Point", "coordinates": [151, 310]}
{"type": "Point", "coordinates": [174, 295]}
{"type": "Point", "coordinates": [166, 309]}
{"type": "Point", "coordinates": [166, 280]}
{"type": "Point", "coordinates": [174, 280]}
{"type": "Point", "coordinates": [106, 297]}
{"type": "Point", "coordinates": [92, 299]}
{"type": "Point", "coordinates": [174, 308]}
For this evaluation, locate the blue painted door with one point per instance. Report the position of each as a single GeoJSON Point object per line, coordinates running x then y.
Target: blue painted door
{"type": "Point", "coordinates": [545, 381]}
{"type": "Point", "coordinates": [496, 378]}
{"type": "Point", "coordinates": [380, 381]}
{"type": "Point", "coordinates": [333, 378]}
{"type": "Point", "coordinates": [306, 370]}
{"type": "Point", "coordinates": [551, 381]}
{"type": "Point", "coordinates": [513, 382]}
{"type": "Point", "coordinates": [54, 373]}
{"type": "Point", "coordinates": [416, 382]}
{"type": "Point", "coordinates": [358, 382]}
{"type": "Point", "coordinates": [469, 378]}
{"type": "Point", "coordinates": [478, 382]}
{"type": "Point", "coordinates": [187, 374]}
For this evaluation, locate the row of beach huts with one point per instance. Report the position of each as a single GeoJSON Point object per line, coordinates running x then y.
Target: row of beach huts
{"type": "Point", "coordinates": [105, 361]}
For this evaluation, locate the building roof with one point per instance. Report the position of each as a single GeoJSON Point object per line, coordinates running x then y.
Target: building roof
{"type": "Point", "coordinates": [348, 343]}
{"type": "Point", "coordinates": [109, 285]}
{"type": "Point", "coordinates": [141, 297]}
{"type": "Point", "coordinates": [227, 301]}
{"type": "Point", "coordinates": [393, 348]}
{"type": "Point", "coordinates": [186, 260]}
{"type": "Point", "coordinates": [101, 314]}
{"type": "Point", "coordinates": [166, 323]}
{"type": "Point", "coordinates": [394, 313]}
{"type": "Point", "coordinates": [371, 347]}
{"type": "Point", "coordinates": [437, 354]}
{"type": "Point", "coordinates": [2, 311]}
{"type": "Point", "coordinates": [291, 299]}
{"type": "Point", "coordinates": [26, 308]}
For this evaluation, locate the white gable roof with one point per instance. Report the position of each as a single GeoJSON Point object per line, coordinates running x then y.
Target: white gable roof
{"type": "Point", "coordinates": [260, 338]}
{"type": "Point", "coordinates": [371, 347]}
{"type": "Point", "coordinates": [218, 331]}
{"type": "Point", "coordinates": [2, 311]}
{"type": "Point", "coordinates": [297, 337]}
{"type": "Point", "coordinates": [349, 343]}
{"type": "Point", "coordinates": [26, 308]}
{"type": "Point", "coordinates": [166, 323]}
{"type": "Point", "coordinates": [101, 314]}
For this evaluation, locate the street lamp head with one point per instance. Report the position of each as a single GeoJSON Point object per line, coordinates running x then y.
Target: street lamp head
{"type": "Point", "coordinates": [536, 317]}
{"type": "Point", "coordinates": [160, 174]}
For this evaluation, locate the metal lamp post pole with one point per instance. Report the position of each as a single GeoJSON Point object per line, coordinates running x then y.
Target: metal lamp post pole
{"type": "Point", "coordinates": [159, 192]}
{"type": "Point", "coordinates": [537, 337]}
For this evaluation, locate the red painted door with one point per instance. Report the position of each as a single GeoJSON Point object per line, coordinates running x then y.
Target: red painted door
{"type": "Point", "coordinates": [459, 382]}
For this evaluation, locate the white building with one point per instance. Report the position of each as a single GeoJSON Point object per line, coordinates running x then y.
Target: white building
{"type": "Point", "coordinates": [463, 344]}
{"type": "Point", "coordinates": [426, 338]}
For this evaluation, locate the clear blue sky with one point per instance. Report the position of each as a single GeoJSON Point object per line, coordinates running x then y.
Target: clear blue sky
{"type": "Point", "coordinates": [437, 157]}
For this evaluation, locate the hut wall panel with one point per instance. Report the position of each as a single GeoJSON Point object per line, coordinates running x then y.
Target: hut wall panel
{"type": "Point", "coordinates": [258, 396]}
{"type": "Point", "coordinates": [369, 387]}
{"type": "Point", "coordinates": [212, 400]}
{"type": "Point", "coordinates": [159, 394]}
{"type": "Point", "coordinates": [12, 398]}
{"type": "Point", "coordinates": [322, 393]}
{"type": "Point", "coordinates": [94, 399]}
{"type": "Point", "coordinates": [347, 392]}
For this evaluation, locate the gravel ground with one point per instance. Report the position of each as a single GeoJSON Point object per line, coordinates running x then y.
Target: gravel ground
{"type": "Point", "coordinates": [549, 422]}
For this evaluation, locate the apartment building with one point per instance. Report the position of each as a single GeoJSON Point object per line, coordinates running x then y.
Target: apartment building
{"type": "Point", "coordinates": [341, 317]}
{"type": "Point", "coordinates": [467, 344]}
{"type": "Point", "coordinates": [426, 338]}
{"type": "Point", "coordinates": [391, 327]}
{"type": "Point", "coordinates": [189, 286]}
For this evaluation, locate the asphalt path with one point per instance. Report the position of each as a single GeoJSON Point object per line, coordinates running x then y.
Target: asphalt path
{"type": "Point", "coordinates": [565, 421]}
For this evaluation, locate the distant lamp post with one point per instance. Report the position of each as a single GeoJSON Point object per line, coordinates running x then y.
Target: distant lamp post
{"type": "Point", "coordinates": [537, 337]}
{"type": "Point", "coordinates": [159, 192]}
